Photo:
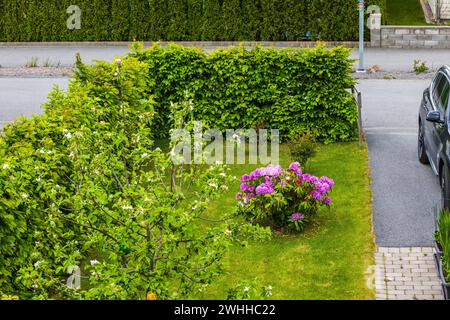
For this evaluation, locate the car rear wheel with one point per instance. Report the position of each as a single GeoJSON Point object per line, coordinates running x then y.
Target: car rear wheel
{"type": "Point", "coordinates": [445, 188]}
{"type": "Point", "coordinates": [423, 158]}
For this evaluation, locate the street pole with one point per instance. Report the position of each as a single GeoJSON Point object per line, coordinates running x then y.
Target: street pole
{"type": "Point", "coordinates": [361, 36]}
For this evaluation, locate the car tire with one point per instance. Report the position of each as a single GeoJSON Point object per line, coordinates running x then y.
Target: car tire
{"type": "Point", "coordinates": [445, 188]}
{"type": "Point", "coordinates": [423, 158]}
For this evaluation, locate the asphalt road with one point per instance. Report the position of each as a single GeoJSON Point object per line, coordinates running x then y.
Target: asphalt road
{"type": "Point", "coordinates": [404, 191]}
{"type": "Point", "coordinates": [24, 96]}
{"type": "Point", "coordinates": [389, 60]}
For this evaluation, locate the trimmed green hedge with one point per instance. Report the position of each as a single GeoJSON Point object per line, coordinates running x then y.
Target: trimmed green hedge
{"type": "Point", "coordinates": [114, 20]}
{"type": "Point", "coordinates": [292, 90]}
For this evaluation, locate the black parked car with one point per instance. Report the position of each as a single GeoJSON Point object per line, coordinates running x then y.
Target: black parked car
{"type": "Point", "coordinates": [434, 130]}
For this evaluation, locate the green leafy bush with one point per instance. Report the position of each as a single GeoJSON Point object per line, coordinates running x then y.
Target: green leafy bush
{"type": "Point", "coordinates": [302, 147]}
{"type": "Point", "coordinates": [290, 90]}
{"type": "Point", "coordinates": [108, 20]}
{"type": "Point", "coordinates": [443, 238]}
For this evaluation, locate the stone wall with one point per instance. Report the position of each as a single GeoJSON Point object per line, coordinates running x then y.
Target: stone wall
{"type": "Point", "coordinates": [409, 36]}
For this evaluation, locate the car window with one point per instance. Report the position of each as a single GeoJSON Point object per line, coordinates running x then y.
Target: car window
{"type": "Point", "coordinates": [441, 91]}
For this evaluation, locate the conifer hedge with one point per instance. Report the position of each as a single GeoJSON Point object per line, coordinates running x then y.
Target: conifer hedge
{"type": "Point", "coordinates": [122, 20]}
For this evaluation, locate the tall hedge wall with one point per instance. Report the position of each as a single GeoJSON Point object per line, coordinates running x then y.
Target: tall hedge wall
{"type": "Point", "coordinates": [290, 90]}
{"type": "Point", "coordinates": [116, 20]}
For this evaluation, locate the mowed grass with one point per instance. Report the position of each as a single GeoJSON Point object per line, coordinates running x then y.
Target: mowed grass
{"type": "Point", "coordinates": [405, 12]}
{"type": "Point", "coordinates": [330, 259]}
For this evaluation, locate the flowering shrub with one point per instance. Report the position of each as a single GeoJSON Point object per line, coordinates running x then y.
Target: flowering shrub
{"type": "Point", "coordinates": [91, 209]}
{"type": "Point", "coordinates": [282, 198]}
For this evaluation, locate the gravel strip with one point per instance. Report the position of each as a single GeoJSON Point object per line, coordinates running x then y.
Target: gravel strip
{"type": "Point", "coordinates": [384, 75]}
{"type": "Point", "coordinates": [51, 72]}
{"type": "Point", "coordinates": [38, 72]}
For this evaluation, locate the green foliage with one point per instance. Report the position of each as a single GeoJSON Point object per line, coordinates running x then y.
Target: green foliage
{"type": "Point", "coordinates": [32, 63]}
{"type": "Point", "coordinates": [302, 147]}
{"type": "Point", "coordinates": [113, 20]}
{"type": "Point", "coordinates": [286, 89]}
{"type": "Point", "coordinates": [420, 67]}
{"type": "Point", "coordinates": [83, 187]}
{"type": "Point", "coordinates": [249, 290]}
{"type": "Point", "coordinates": [443, 238]}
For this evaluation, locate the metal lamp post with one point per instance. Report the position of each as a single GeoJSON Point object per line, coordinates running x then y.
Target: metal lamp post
{"type": "Point", "coordinates": [361, 36]}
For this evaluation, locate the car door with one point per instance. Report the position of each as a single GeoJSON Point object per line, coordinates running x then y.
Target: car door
{"type": "Point", "coordinates": [440, 98]}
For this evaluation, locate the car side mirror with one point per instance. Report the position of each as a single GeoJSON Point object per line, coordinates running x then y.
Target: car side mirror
{"type": "Point", "coordinates": [434, 116]}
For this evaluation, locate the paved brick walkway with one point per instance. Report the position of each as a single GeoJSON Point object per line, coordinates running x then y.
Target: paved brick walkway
{"type": "Point", "coordinates": [406, 274]}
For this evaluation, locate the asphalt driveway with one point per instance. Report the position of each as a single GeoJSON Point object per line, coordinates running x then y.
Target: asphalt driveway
{"type": "Point", "coordinates": [404, 191]}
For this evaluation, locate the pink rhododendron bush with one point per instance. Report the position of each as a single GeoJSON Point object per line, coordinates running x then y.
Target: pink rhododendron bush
{"type": "Point", "coordinates": [283, 198]}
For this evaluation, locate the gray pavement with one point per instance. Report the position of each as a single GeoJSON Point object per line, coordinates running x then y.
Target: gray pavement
{"type": "Point", "coordinates": [24, 96]}
{"type": "Point", "coordinates": [64, 56]}
{"type": "Point", "coordinates": [404, 191]}
{"type": "Point", "coordinates": [388, 59]}
{"type": "Point", "coordinates": [402, 60]}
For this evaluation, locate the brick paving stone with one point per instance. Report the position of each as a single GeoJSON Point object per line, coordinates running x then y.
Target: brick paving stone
{"type": "Point", "coordinates": [407, 273]}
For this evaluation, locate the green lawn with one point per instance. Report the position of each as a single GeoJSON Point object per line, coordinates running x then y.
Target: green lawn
{"type": "Point", "coordinates": [329, 260]}
{"type": "Point", "coordinates": [405, 12]}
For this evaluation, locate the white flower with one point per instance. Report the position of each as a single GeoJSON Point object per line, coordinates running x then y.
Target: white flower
{"type": "Point", "coordinates": [246, 289]}
{"type": "Point", "coordinates": [24, 195]}
{"type": "Point", "coordinates": [223, 174]}
{"type": "Point", "coordinates": [127, 208]}
{"type": "Point", "coordinates": [144, 155]}
{"type": "Point", "coordinates": [34, 286]}
{"type": "Point", "coordinates": [194, 208]}
{"type": "Point", "coordinates": [38, 179]}
{"type": "Point", "coordinates": [5, 166]}
{"type": "Point", "coordinates": [68, 135]}
{"type": "Point", "coordinates": [94, 262]}
{"type": "Point", "coordinates": [37, 263]}
{"type": "Point", "coordinates": [41, 151]}
{"type": "Point", "coordinates": [235, 136]}
{"type": "Point", "coordinates": [49, 152]}
{"type": "Point", "coordinates": [158, 149]}
{"type": "Point", "coordinates": [213, 185]}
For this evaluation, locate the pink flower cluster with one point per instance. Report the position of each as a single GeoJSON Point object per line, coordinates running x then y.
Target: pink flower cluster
{"type": "Point", "coordinates": [272, 175]}
{"type": "Point", "coordinates": [289, 197]}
